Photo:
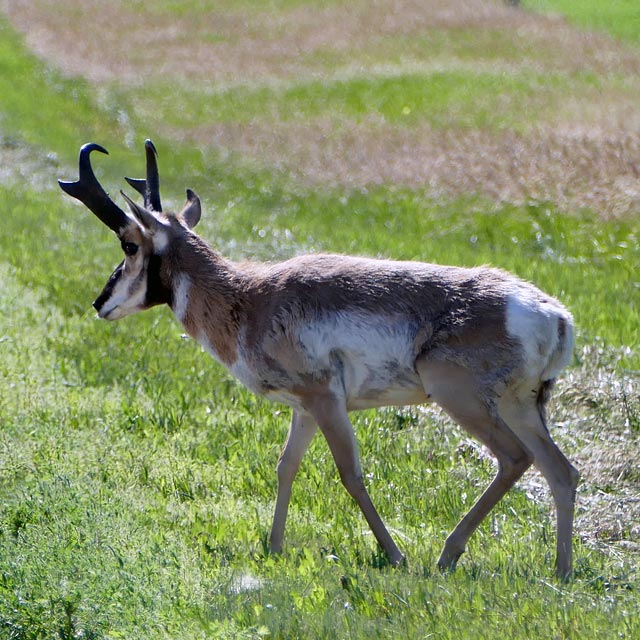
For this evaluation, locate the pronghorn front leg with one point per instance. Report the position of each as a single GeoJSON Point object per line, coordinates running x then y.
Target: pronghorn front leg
{"type": "Point", "coordinates": [331, 415]}
{"type": "Point", "coordinates": [301, 431]}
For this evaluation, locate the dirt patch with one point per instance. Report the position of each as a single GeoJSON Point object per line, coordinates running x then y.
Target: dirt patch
{"type": "Point", "coordinates": [587, 157]}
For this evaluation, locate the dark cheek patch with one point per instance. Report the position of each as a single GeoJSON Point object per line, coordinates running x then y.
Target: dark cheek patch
{"type": "Point", "coordinates": [157, 291]}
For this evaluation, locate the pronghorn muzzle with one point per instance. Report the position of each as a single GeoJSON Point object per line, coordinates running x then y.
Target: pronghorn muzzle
{"type": "Point", "coordinates": [107, 291]}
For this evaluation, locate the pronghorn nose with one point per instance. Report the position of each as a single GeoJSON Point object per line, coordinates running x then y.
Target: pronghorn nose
{"type": "Point", "coordinates": [98, 302]}
{"type": "Point", "coordinates": [105, 294]}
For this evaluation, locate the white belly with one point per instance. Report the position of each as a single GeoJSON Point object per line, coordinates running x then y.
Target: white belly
{"type": "Point", "coordinates": [367, 359]}
{"type": "Point", "coordinates": [375, 359]}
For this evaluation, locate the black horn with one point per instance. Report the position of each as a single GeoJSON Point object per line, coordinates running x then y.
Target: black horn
{"type": "Point", "coordinates": [149, 188]}
{"type": "Point", "coordinates": [88, 190]}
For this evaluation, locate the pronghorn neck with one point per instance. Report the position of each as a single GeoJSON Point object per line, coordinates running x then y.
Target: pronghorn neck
{"type": "Point", "coordinates": [206, 296]}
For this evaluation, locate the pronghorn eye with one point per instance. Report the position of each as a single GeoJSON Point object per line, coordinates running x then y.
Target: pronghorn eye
{"type": "Point", "coordinates": [130, 248]}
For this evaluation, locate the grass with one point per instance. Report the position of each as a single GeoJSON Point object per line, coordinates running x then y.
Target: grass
{"type": "Point", "coordinates": [620, 18]}
{"type": "Point", "coordinates": [64, 109]}
{"type": "Point", "coordinates": [137, 479]}
{"type": "Point", "coordinates": [134, 504]}
{"type": "Point", "coordinates": [440, 99]}
{"type": "Point", "coordinates": [196, 9]}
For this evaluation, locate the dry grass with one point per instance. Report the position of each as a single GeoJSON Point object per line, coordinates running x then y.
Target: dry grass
{"type": "Point", "coordinates": [594, 416]}
{"type": "Point", "coordinates": [593, 163]}
{"type": "Point", "coordinates": [594, 398]}
{"type": "Point", "coordinates": [105, 41]}
{"type": "Point", "coordinates": [572, 168]}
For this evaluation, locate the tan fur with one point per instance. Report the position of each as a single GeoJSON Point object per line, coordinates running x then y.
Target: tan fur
{"type": "Point", "coordinates": [211, 298]}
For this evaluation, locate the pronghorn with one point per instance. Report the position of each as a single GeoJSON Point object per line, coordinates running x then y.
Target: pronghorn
{"type": "Point", "coordinates": [327, 334]}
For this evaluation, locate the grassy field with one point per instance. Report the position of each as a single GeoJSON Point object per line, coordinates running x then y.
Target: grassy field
{"type": "Point", "coordinates": [137, 479]}
{"type": "Point", "coordinates": [620, 18]}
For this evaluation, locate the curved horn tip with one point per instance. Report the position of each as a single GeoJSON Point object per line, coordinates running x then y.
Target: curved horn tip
{"type": "Point", "coordinates": [92, 146]}
{"type": "Point", "coordinates": [148, 144]}
{"type": "Point", "coordinates": [139, 184]}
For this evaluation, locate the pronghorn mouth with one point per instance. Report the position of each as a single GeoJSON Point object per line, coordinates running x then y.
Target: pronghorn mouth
{"type": "Point", "coordinates": [106, 310]}
{"type": "Point", "coordinates": [104, 314]}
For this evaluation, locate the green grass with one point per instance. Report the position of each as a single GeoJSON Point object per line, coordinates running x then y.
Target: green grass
{"type": "Point", "coordinates": [136, 502]}
{"type": "Point", "coordinates": [197, 9]}
{"type": "Point", "coordinates": [39, 107]}
{"type": "Point", "coordinates": [620, 18]}
{"type": "Point", "coordinates": [592, 266]}
{"type": "Point", "coordinates": [440, 99]}
{"type": "Point", "coordinates": [137, 479]}
{"type": "Point", "coordinates": [495, 100]}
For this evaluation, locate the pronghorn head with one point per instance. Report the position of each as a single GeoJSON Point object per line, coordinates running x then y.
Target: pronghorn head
{"type": "Point", "coordinates": [145, 234]}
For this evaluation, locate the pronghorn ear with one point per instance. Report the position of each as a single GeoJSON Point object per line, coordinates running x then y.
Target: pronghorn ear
{"type": "Point", "coordinates": [142, 215]}
{"type": "Point", "coordinates": [191, 211]}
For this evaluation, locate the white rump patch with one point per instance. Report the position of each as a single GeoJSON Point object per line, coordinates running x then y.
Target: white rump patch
{"type": "Point", "coordinates": [535, 324]}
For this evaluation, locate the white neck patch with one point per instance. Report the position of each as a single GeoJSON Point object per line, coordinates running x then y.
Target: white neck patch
{"type": "Point", "coordinates": [181, 297]}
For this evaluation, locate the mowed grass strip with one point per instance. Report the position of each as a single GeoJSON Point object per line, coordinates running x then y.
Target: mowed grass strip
{"type": "Point", "coordinates": [454, 98]}
{"type": "Point", "coordinates": [473, 97]}
{"type": "Point", "coordinates": [41, 108]}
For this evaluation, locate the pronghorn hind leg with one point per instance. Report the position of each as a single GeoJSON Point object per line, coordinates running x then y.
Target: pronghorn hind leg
{"type": "Point", "coordinates": [455, 390]}
{"type": "Point", "coordinates": [301, 432]}
{"type": "Point", "coordinates": [526, 417]}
